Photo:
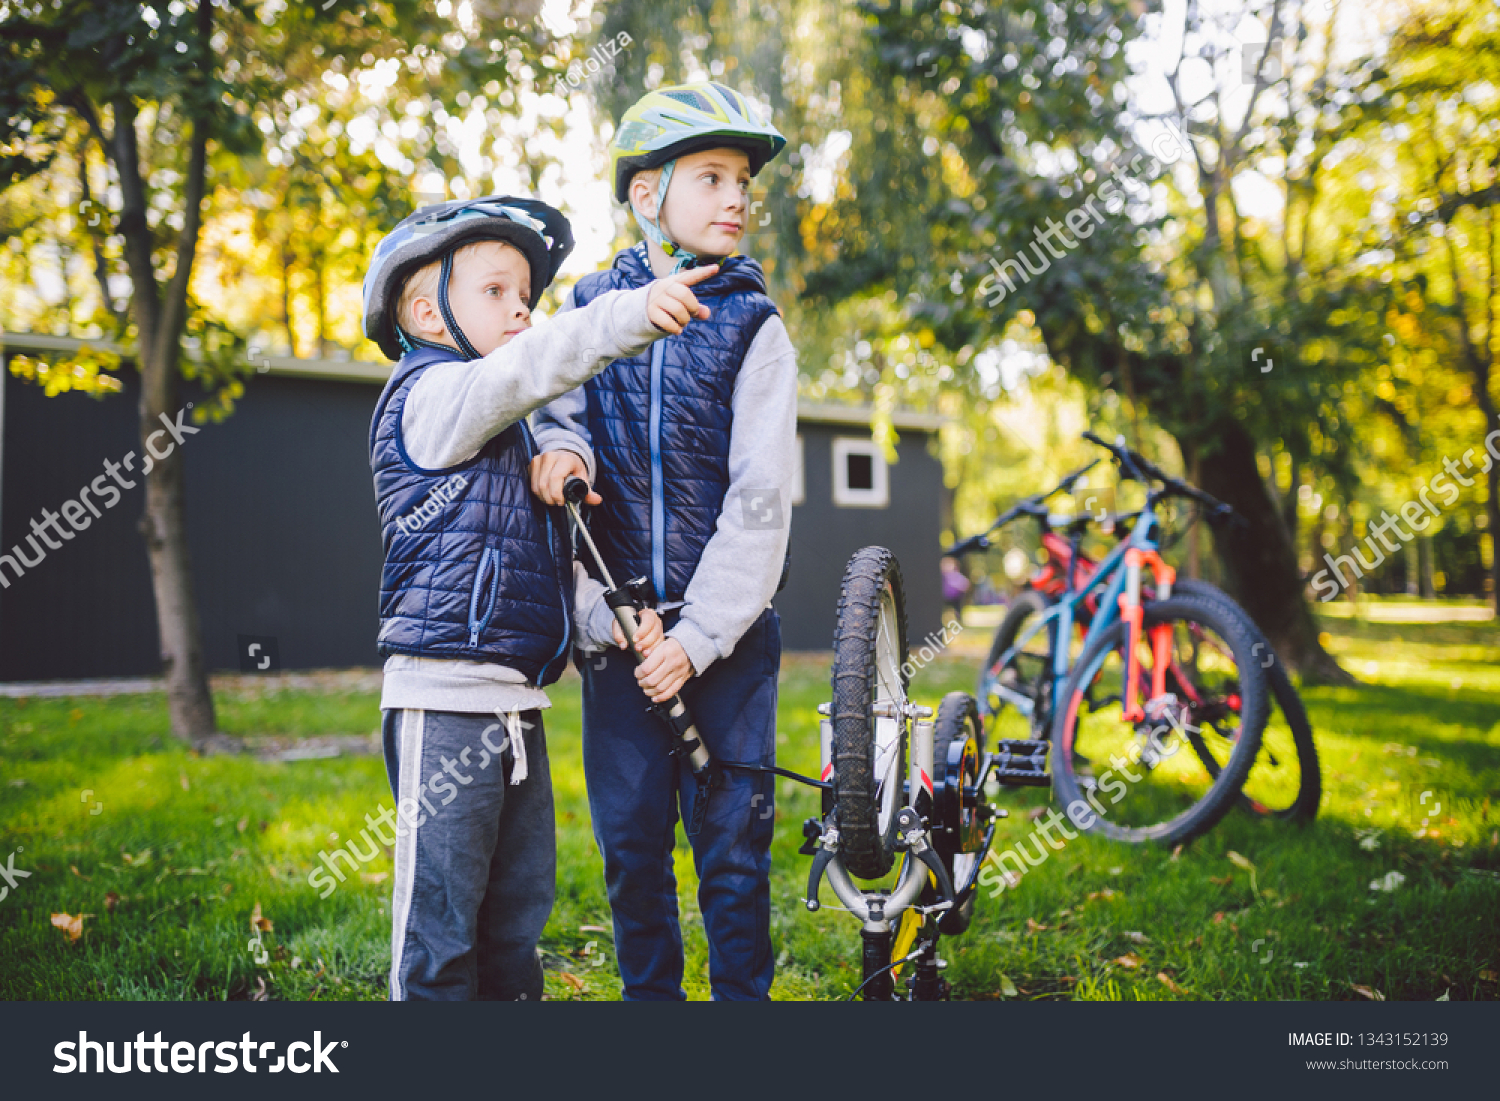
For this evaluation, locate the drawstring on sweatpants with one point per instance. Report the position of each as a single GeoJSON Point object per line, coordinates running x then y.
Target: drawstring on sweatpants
{"type": "Point", "coordinates": [517, 746]}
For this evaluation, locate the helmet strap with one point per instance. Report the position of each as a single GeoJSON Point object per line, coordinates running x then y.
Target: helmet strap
{"type": "Point", "coordinates": [410, 343]}
{"type": "Point", "coordinates": [468, 350]}
{"type": "Point", "coordinates": [651, 227]}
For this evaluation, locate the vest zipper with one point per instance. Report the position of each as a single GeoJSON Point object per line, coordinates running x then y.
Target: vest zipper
{"type": "Point", "coordinates": [476, 624]}
{"type": "Point", "coordinates": [562, 590]}
{"type": "Point", "coordinates": [658, 487]}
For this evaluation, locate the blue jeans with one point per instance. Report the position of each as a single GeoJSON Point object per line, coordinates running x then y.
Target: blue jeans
{"type": "Point", "coordinates": [635, 788]}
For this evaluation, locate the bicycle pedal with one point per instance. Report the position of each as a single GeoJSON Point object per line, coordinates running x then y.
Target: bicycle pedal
{"type": "Point", "coordinates": [1022, 777]}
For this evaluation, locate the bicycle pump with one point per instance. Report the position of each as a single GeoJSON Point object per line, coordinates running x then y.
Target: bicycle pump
{"type": "Point", "coordinates": [625, 601]}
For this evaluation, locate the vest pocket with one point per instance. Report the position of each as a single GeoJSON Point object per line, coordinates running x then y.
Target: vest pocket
{"type": "Point", "coordinates": [486, 587]}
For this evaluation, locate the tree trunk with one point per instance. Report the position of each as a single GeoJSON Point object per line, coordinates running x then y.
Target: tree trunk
{"type": "Point", "coordinates": [160, 317]}
{"type": "Point", "coordinates": [189, 702]}
{"type": "Point", "coordinates": [1260, 563]}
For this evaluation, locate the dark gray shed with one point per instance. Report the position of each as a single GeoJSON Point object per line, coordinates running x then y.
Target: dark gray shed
{"type": "Point", "coordinates": [283, 537]}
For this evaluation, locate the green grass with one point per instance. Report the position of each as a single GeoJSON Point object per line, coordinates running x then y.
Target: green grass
{"type": "Point", "coordinates": [187, 846]}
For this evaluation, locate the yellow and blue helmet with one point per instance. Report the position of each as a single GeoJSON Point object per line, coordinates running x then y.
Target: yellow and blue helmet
{"type": "Point", "coordinates": [685, 118]}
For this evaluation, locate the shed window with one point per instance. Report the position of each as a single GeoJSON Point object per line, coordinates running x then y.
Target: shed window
{"type": "Point", "coordinates": [860, 476]}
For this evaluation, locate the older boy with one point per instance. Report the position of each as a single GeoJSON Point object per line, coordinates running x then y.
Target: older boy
{"type": "Point", "coordinates": [694, 446]}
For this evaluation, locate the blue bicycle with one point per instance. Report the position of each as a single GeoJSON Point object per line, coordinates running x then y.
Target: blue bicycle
{"type": "Point", "coordinates": [1152, 671]}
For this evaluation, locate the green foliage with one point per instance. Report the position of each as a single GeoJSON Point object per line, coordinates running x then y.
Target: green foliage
{"type": "Point", "coordinates": [87, 373]}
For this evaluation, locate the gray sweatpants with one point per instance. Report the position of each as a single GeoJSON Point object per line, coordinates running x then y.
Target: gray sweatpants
{"type": "Point", "coordinates": [476, 855]}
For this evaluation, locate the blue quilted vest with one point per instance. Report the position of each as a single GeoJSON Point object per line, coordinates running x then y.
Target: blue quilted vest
{"type": "Point", "coordinates": [659, 425]}
{"type": "Point", "coordinates": [475, 566]}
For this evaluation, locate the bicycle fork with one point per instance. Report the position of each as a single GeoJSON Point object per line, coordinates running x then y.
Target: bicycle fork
{"type": "Point", "coordinates": [1133, 615]}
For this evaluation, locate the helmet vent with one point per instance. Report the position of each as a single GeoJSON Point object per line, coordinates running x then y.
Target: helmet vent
{"type": "Point", "coordinates": [733, 97]}
{"type": "Point", "coordinates": [692, 99]}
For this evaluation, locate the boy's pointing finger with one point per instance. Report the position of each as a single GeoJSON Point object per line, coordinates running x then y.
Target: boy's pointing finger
{"type": "Point", "coordinates": [696, 275]}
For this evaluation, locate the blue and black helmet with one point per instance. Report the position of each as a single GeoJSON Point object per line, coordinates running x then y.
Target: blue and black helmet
{"type": "Point", "coordinates": [434, 233]}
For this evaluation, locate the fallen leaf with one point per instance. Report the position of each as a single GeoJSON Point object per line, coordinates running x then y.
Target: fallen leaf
{"type": "Point", "coordinates": [1129, 959]}
{"type": "Point", "coordinates": [1219, 918]}
{"type": "Point", "coordinates": [259, 924]}
{"type": "Point", "coordinates": [572, 980]}
{"type": "Point", "coordinates": [74, 869]}
{"type": "Point", "coordinates": [1487, 976]}
{"type": "Point", "coordinates": [1166, 980]}
{"type": "Point", "coordinates": [1239, 861]}
{"type": "Point", "coordinates": [71, 925]}
{"type": "Point", "coordinates": [1105, 892]}
{"type": "Point", "coordinates": [1224, 881]}
{"type": "Point", "coordinates": [1367, 992]}
{"type": "Point", "coordinates": [1138, 938]}
{"type": "Point", "coordinates": [1034, 926]}
{"type": "Point", "coordinates": [111, 900]}
{"type": "Point", "coordinates": [1007, 988]}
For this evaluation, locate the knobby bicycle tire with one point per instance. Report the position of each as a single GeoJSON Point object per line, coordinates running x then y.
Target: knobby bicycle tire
{"type": "Point", "coordinates": [872, 574]}
{"type": "Point", "coordinates": [957, 721]}
{"type": "Point", "coordinates": [1224, 788]}
{"type": "Point", "coordinates": [1304, 808]}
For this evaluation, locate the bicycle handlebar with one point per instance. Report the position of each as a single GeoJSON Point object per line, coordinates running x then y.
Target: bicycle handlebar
{"type": "Point", "coordinates": [1029, 506]}
{"type": "Point", "coordinates": [1137, 467]}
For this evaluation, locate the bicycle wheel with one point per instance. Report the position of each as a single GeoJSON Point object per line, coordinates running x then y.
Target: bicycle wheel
{"type": "Point", "coordinates": [957, 747]}
{"type": "Point", "coordinates": [1214, 699]}
{"type": "Point", "coordinates": [869, 673]}
{"type": "Point", "coordinates": [1286, 780]}
{"type": "Point", "coordinates": [1027, 674]}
